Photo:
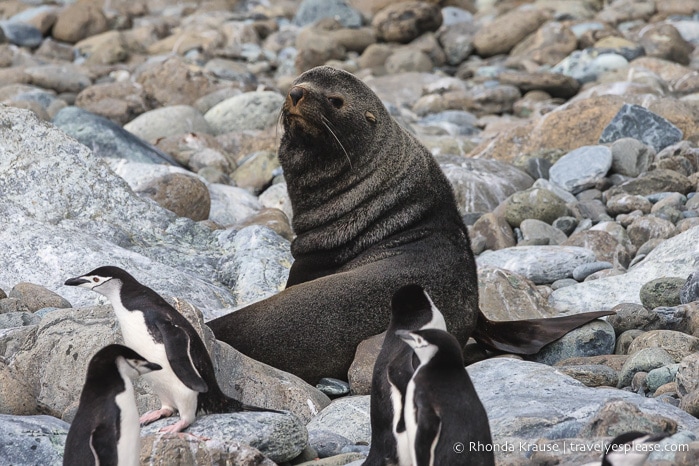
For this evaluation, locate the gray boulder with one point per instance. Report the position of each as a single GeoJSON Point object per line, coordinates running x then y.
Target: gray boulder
{"type": "Point", "coordinates": [669, 259]}
{"type": "Point", "coordinates": [43, 446]}
{"type": "Point", "coordinates": [540, 264]}
{"type": "Point", "coordinates": [280, 437]}
{"type": "Point", "coordinates": [481, 185]}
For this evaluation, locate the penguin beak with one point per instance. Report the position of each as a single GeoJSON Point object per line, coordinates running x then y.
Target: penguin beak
{"type": "Point", "coordinates": [151, 366]}
{"type": "Point", "coordinates": [76, 281]}
{"type": "Point", "coordinates": [404, 335]}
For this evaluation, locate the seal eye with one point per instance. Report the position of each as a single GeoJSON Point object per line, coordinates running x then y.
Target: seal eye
{"type": "Point", "coordinates": [336, 102]}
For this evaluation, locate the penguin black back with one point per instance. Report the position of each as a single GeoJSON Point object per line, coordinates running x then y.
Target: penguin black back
{"type": "Point", "coordinates": [442, 408]}
{"type": "Point", "coordinates": [150, 324]}
{"type": "Point", "coordinates": [411, 310]}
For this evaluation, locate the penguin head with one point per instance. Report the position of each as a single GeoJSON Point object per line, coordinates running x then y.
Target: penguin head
{"type": "Point", "coordinates": [412, 308]}
{"type": "Point", "coordinates": [420, 345]}
{"type": "Point", "coordinates": [106, 280]}
{"type": "Point", "coordinates": [128, 362]}
{"type": "Point", "coordinates": [628, 449]}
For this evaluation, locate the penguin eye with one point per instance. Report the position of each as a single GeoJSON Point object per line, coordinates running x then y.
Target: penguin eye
{"type": "Point", "coordinates": [95, 279]}
{"type": "Point", "coordinates": [336, 102]}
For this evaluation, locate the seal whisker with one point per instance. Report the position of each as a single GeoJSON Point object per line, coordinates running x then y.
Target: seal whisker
{"type": "Point", "coordinates": [327, 125]}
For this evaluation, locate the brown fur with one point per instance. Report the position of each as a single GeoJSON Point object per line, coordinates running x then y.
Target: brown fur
{"type": "Point", "coordinates": [372, 212]}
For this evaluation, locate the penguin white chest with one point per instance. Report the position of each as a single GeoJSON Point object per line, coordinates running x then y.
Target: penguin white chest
{"type": "Point", "coordinates": [129, 441]}
{"type": "Point", "coordinates": [165, 383]}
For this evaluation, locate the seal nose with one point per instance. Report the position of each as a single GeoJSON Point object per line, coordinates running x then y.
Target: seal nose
{"type": "Point", "coordinates": [296, 94]}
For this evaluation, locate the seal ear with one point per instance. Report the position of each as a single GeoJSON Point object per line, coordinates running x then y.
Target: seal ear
{"type": "Point", "coordinates": [370, 117]}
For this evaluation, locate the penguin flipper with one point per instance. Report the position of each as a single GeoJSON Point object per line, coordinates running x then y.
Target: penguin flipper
{"type": "Point", "coordinates": [429, 426]}
{"type": "Point", "coordinates": [528, 336]}
{"type": "Point", "coordinates": [103, 443]}
{"type": "Point", "coordinates": [178, 349]}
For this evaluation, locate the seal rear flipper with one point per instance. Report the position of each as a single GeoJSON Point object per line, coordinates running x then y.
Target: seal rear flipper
{"type": "Point", "coordinates": [528, 336]}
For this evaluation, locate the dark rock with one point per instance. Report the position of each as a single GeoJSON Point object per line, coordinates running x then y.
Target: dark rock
{"type": "Point", "coordinates": [554, 84]}
{"type": "Point", "coordinates": [584, 270]}
{"type": "Point", "coordinates": [591, 339]}
{"type": "Point", "coordinates": [333, 387]}
{"type": "Point", "coordinates": [690, 289]}
{"type": "Point", "coordinates": [107, 139]}
{"type": "Point", "coordinates": [636, 122]}
{"type": "Point", "coordinates": [21, 34]}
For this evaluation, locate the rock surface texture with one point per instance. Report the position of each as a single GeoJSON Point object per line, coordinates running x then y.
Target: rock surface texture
{"type": "Point", "coordinates": [143, 134]}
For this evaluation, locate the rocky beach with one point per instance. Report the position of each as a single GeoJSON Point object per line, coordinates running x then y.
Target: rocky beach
{"type": "Point", "coordinates": [144, 134]}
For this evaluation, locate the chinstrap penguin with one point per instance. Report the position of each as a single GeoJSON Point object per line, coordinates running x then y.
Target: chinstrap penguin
{"type": "Point", "coordinates": [411, 309]}
{"type": "Point", "coordinates": [105, 430]}
{"type": "Point", "coordinates": [187, 384]}
{"type": "Point", "coordinates": [628, 449]}
{"type": "Point", "coordinates": [442, 408]}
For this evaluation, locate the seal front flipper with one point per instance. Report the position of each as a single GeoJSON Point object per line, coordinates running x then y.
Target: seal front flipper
{"type": "Point", "coordinates": [528, 336]}
{"type": "Point", "coordinates": [175, 338]}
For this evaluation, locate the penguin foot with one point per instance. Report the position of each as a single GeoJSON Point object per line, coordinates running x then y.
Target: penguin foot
{"type": "Point", "coordinates": [179, 426]}
{"type": "Point", "coordinates": [152, 416]}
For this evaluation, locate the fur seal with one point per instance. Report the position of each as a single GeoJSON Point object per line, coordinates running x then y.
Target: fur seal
{"type": "Point", "coordinates": [187, 382]}
{"type": "Point", "coordinates": [372, 212]}
{"type": "Point", "coordinates": [442, 409]}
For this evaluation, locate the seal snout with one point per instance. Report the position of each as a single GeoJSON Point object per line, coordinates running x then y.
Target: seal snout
{"type": "Point", "coordinates": [296, 94]}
